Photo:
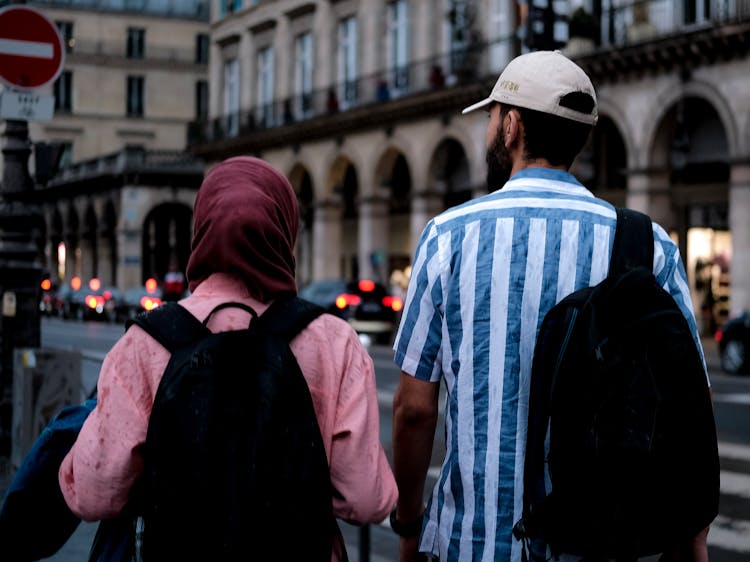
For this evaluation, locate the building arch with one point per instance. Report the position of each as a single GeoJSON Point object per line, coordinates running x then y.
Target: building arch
{"type": "Point", "coordinates": [449, 172]}
{"type": "Point", "coordinates": [694, 148]}
{"type": "Point", "coordinates": [166, 240]}
{"type": "Point", "coordinates": [662, 107]}
{"type": "Point", "coordinates": [602, 164]}
{"type": "Point", "coordinates": [302, 183]}
{"type": "Point", "coordinates": [614, 113]}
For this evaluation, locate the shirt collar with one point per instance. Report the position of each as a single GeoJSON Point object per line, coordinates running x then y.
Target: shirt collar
{"type": "Point", "coordinates": [555, 180]}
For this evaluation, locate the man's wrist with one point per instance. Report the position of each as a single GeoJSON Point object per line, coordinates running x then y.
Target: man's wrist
{"type": "Point", "coordinates": [406, 528]}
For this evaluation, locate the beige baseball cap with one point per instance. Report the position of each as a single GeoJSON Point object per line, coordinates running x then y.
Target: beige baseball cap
{"type": "Point", "coordinates": [538, 81]}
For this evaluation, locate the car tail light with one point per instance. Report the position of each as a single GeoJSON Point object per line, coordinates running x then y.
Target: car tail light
{"type": "Point", "coordinates": [95, 302]}
{"type": "Point", "coordinates": [366, 286]}
{"type": "Point", "coordinates": [394, 303]}
{"type": "Point", "coordinates": [107, 295]}
{"type": "Point", "coordinates": [151, 285]}
{"type": "Point", "coordinates": [344, 300]}
{"type": "Point", "coordinates": [150, 303]}
{"type": "Point", "coordinates": [718, 335]}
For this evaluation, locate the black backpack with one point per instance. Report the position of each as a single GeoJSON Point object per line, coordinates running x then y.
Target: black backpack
{"type": "Point", "coordinates": [619, 389]}
{"type": "Point", "coordinates": [234, 462]}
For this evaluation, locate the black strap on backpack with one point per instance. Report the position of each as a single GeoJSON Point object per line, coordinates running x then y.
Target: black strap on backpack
{"type": "Point", "coordinates": [634, 242]}
{"type": "Point", "coordinates": [174, 327]}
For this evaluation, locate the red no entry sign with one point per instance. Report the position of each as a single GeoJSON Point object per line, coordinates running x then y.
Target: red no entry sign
{"type": "Point", "coordinates": [31, 49]}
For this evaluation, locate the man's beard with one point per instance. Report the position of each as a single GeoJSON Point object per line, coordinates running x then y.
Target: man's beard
{"type": "Point", "coordinates": [499, 162]}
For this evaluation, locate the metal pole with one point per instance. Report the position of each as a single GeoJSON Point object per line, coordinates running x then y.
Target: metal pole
{"type": "Point", "coordinates": [364, 543]}
{"type": "Point", "coordinates": [21, 226]}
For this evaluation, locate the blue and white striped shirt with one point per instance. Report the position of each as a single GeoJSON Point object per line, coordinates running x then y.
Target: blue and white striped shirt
{"type": "Point", "coordinates": [484, 275]}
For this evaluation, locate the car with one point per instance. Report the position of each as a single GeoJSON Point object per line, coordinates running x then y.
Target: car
{"type": "Point", "coordinates": [365, 304]}
{"type": "Point", "coordinates": [733, 339]}
{"type": "Point", "coordinates": [49, 301]}
{"type": "Point", "coordinates": [139, 299]}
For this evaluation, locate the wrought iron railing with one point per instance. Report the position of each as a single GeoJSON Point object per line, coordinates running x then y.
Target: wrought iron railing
{"type": "Point", "coordinates": [190, 9]}
{"type": "Point", "coordinates": [118, 49]}
{"type": "Point", "coordinates": [433, 74]}
{"type": "Point", "coordinates": [645, 20]}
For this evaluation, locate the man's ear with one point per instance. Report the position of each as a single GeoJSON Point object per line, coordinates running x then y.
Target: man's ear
{"type": "Point", "coordinates": [512, 128]}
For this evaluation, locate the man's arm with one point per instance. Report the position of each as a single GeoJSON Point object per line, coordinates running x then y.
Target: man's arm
{"type": "Point", "coordinates": [415, 413]}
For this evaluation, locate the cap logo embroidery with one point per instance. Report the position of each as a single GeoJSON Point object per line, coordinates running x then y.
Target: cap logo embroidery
{"type": "Point", "coordinates": [509, 85]}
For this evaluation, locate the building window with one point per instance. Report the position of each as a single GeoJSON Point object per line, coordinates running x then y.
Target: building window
{"type": "Point", "coordinates": [347, 62]}
{"type": "Point", "coordinates": [136, 39]}
{"type": "Point", "coordinates": [135, 96]}
{"type": "Point", "coordinates": [66, 32]}
{"type": "Point", "coordinates": [303, 74]}
{"type": "Point", "coordinates": [398, 46]}
{"type": "Point", "coordinates": [499, 34]}
{"type": "Point", "coordinates": [231, 97]}
{"type": "Point", "coordinates": [201, 48]}
{"type": "Point", "coordinates": [227, 7]}
{"type": "Point", "coordinates": [201, 100]}
{"type": "Point", "coordinates": [265, 87]}
{"type": "Point", "coordinates": [62, 90]}
{"type": "Point", "coordinates": [66, 155]}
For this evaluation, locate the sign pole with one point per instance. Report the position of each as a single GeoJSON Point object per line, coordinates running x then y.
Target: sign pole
{"type": "Point", "coordinates": [21, 226]}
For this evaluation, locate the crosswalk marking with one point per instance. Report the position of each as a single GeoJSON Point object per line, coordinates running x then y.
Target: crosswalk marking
{"type": "Point", "coordinates": [730, 534]}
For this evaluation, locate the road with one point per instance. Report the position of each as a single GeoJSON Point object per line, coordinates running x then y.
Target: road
{"type": "Point", "coordinates": [729, 539]}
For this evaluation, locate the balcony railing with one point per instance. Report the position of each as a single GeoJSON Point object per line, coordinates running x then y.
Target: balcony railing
{"type": "Point", "coordinates": [645, 20]}
{"type": "Point", "coordinates": [129, 159]}
{"type": "Point", "coordinates": [118, 49]}
{"type": "Point", "coordinates": [189, 9]}
{"type": "Point", "coordinates": [434, 74]}
{"type": "Point", "coordinates": [640, 22]}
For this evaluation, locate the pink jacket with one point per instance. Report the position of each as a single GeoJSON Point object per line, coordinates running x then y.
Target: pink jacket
{"type": "Point", "coordinates": [98, 473]}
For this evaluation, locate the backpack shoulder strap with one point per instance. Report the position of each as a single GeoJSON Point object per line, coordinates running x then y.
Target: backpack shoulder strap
{"type": "Point", "coordinates": [634, 242]}
{"type": "Point", "coordinates": [287, 317]}
{"type": "Point", "coordinates": [171, 325]}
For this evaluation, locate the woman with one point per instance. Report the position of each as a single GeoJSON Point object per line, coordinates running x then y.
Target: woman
{"type": "Point", "coordinates": [245, 225]}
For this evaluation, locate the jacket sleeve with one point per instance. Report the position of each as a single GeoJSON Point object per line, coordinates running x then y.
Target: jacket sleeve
{"type": "Point", "coordinates": [97, 474]}
{"type": "Point", "coordinates": [365, 490]}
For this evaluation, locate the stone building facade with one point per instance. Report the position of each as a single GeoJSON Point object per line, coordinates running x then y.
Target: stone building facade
{"type": "Point", "coordinates": [135, 74]}
{"type": "Point", "coordinates": [358, 102]}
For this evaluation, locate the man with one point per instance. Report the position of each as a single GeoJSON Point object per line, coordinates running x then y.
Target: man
{"type": "Point", "coordinates": [484, 275]}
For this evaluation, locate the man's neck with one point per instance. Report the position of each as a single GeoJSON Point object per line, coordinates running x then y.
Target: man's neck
{"type": "Point", "coordinates": [535, 163]}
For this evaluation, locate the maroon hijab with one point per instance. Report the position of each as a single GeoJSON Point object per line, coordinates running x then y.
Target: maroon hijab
{"type": "Point", "coordinates": [245, 223]}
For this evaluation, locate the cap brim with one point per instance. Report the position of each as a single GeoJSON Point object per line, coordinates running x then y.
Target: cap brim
{"type": "Point", "coordinates": [477, 105]}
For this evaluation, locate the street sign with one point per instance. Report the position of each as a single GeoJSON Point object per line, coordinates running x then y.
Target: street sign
{"type": "Point", "coordinates": [26, 106]}
{"type": "Point", "coordinates": [31, 49]}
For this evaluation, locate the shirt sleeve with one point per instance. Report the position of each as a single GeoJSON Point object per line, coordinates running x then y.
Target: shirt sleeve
{"type": "Point", "coordinates": [418, 344]}
{"type": "Point", "coordinates": [99, 471]}
{"type": "Point", "coordinates": [364, 487]}
{"type": "Point", "coordinates": [670, 274]}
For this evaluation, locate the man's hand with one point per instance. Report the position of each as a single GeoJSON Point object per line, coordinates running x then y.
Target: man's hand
{"type": "Point", "coordinates": [408, 550]}
{"type": "Point", "coordinates": [694, 550]}
{"type": "Point", "coordinates": [415, 413]}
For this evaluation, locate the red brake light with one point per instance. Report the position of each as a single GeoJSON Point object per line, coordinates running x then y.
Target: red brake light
{"type": "Point", "coordinates": [394, 303]}
{"type": "Point", "coordinates": [344, 300]}
{"type": "Point", "coordinates": [151, 285]}
{"type": "Point", "coordinates": [366, 286]}
{"type": "Point", "coordinates": [150, 303]}
{"type": "Point", "coordinates": [718, 335]}
{"type": "Point", "coordinates": [107, 294]}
